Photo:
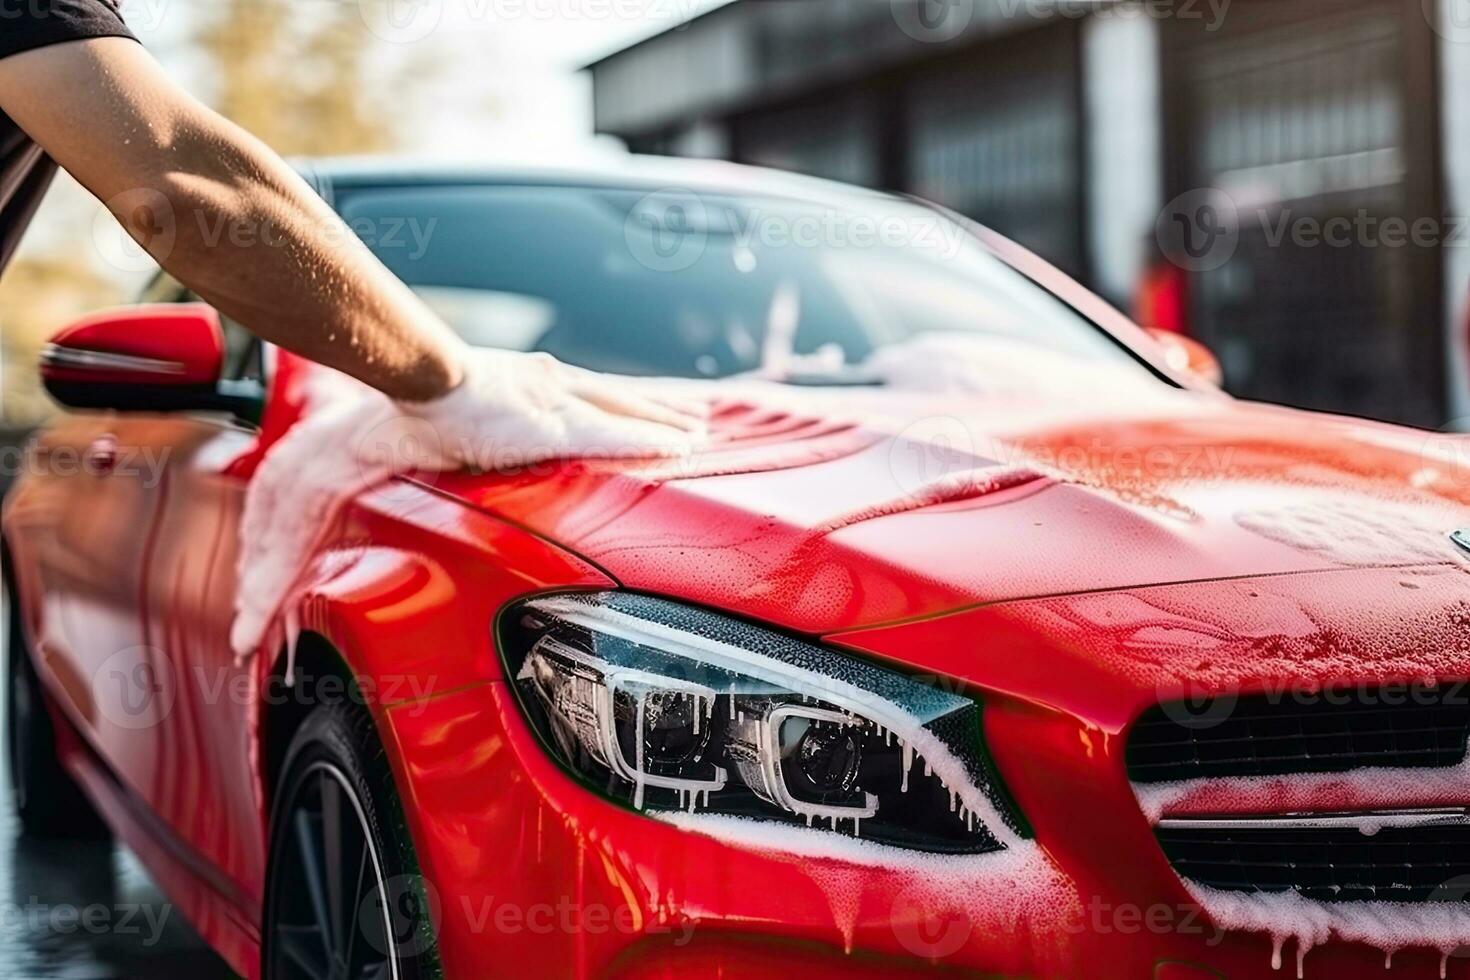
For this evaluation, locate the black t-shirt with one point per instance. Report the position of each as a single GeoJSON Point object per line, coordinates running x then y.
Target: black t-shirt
{"type": "Point", "coordinates": [25, 171]}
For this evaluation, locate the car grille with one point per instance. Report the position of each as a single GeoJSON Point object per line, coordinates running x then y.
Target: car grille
{"type": "Point", "coordinates": [1284, 734]}
{"type": "Point", "coordinates": [1396, 864]}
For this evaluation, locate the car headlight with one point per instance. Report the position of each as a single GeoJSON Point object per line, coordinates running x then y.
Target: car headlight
{"type": "Point", "coordinates": [667, 708]}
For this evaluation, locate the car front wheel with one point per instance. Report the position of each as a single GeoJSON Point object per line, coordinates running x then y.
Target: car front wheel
{"type": "Point", "coordinates": [344, 897]}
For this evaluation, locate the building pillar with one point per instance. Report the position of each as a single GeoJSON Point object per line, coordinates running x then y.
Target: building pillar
{"type": "Point", "coordinates": [1123, 141]}
{"type": "Point", "coordinates": [1453, 33]}
{"type": "Point", "coordinates": [703, 139]}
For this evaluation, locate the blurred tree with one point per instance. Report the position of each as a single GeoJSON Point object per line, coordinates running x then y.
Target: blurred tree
{"type": "Point", "coordinates": [40, 294]}
{"type": "Point", "coordinates": [306, 76]}
{"type": "Point", "coordinates": [309, 78]}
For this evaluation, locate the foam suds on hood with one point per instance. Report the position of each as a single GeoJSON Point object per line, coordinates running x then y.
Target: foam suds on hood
{"type": "Point", "coordinates": [958, 362]}
{"type": "Point", "coordinates": [351, 438]}
{"type": "Point", "coordinates": [325, 459]}
{"type": "Point", "coordinates": [969, 484]}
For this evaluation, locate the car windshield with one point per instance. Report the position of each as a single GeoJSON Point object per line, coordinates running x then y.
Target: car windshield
{"type": "Point", "coordinates": [709, 286]}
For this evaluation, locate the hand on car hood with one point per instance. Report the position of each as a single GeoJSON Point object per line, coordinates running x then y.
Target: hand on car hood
{"type": "Point", "coordinates": [831, 509]}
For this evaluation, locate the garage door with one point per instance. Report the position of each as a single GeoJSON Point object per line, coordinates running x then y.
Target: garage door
{"type": "Point", "coordinates": [836, 136]}
{"type": "Point", "coordinates": [1299, 112]}
{"type": "Point", "coordinates": [995, 135]}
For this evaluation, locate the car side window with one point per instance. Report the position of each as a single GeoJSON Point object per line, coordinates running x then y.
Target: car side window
{"type": "Point", "coordinates": [243, 353]}
{"type": "Point", "coordinates": [163, 288]}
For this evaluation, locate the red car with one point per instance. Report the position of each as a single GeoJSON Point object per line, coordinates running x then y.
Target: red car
{"type": "Point", "coordinates": [987, 637]}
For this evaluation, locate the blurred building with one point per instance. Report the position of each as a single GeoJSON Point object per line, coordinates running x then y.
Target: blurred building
{"type": "Point", "coordinates": [1075, 128]}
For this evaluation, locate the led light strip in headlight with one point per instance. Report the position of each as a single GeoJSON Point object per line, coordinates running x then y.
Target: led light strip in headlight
{"type": "Point", "coordinates": [668, 708]}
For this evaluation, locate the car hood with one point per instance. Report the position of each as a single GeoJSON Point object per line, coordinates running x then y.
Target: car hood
{"type": "Point", "coordinates": [831, 509]}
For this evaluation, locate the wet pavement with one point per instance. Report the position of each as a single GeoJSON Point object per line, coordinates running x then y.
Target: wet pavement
{"type": "Point", "coordinates": [87, 911]}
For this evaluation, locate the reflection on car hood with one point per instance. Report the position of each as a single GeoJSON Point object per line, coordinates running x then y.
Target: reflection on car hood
{"type": "Point", "coordinates": [829, 509]}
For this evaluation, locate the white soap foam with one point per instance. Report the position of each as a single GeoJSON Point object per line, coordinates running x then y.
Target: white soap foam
{"type": "Point", "coordinates": [938, 757]}
{"type": "Point", "coordinates": [298, 488]}
{"type": "Point", "coordinates": [961, 363]}
{"type": "Point", "coordinates": [1355, 532]}
{"type": "Point", "coordinates": [808, 842]}
{"type": "Point", "coordinates": [1386, 926]}
{"type": "Point", "coordinates": [1017, 892]}
{"type": "Point", "coordinates": [512, 411]}
{"type": "Point", "coordinates": [1359, 789]}
{"type": "Point", "coordinates": [1286, 917]}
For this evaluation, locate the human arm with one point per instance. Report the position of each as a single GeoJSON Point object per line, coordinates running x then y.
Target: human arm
{"type": "Point", "coordinates": [175, 173]}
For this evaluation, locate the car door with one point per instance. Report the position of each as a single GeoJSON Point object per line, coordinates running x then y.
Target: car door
{"type": "Point", "coordinates": [79, 518]}
{"type": "Point", "coordinates": [205, 787]}
{"type": "Point", "coordinates": [209, 794]}
{"type": "Point", "coordinates": [130, 521]}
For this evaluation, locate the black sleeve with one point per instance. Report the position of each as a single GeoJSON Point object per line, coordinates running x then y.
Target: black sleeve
{"type": "Point", "coordinates": [37, 23]}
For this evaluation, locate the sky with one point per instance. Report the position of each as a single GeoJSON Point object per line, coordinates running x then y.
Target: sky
{"type": "Point", "coordinates": [522, 56]}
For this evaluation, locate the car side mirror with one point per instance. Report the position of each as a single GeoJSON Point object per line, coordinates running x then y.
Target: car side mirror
{"type": "Point", "coordinates": [145, 359]}
{"type": "Point", "coordinates": [1185, 354]}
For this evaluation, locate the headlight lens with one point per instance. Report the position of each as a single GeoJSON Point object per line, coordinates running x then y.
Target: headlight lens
{"type": "Point", "coordinates": [667, 708]}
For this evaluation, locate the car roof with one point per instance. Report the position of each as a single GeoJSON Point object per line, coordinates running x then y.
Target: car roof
{"type": "Point", "coordinates": [630, 171]}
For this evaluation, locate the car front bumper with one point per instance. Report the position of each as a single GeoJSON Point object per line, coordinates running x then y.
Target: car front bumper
{"type": "Point", "coordinates": [533, 876]}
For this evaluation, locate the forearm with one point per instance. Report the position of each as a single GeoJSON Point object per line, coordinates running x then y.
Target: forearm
{"type": "Point", "coordinates": [253, 240]}
{"type": "Point", "coordinates": [226, 216]}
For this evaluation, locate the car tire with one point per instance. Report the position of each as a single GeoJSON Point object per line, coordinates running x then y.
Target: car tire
{"type": "Point", "coordinates": [47, 800]}
{"type": "Point", "coordinates": [343, 883]}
